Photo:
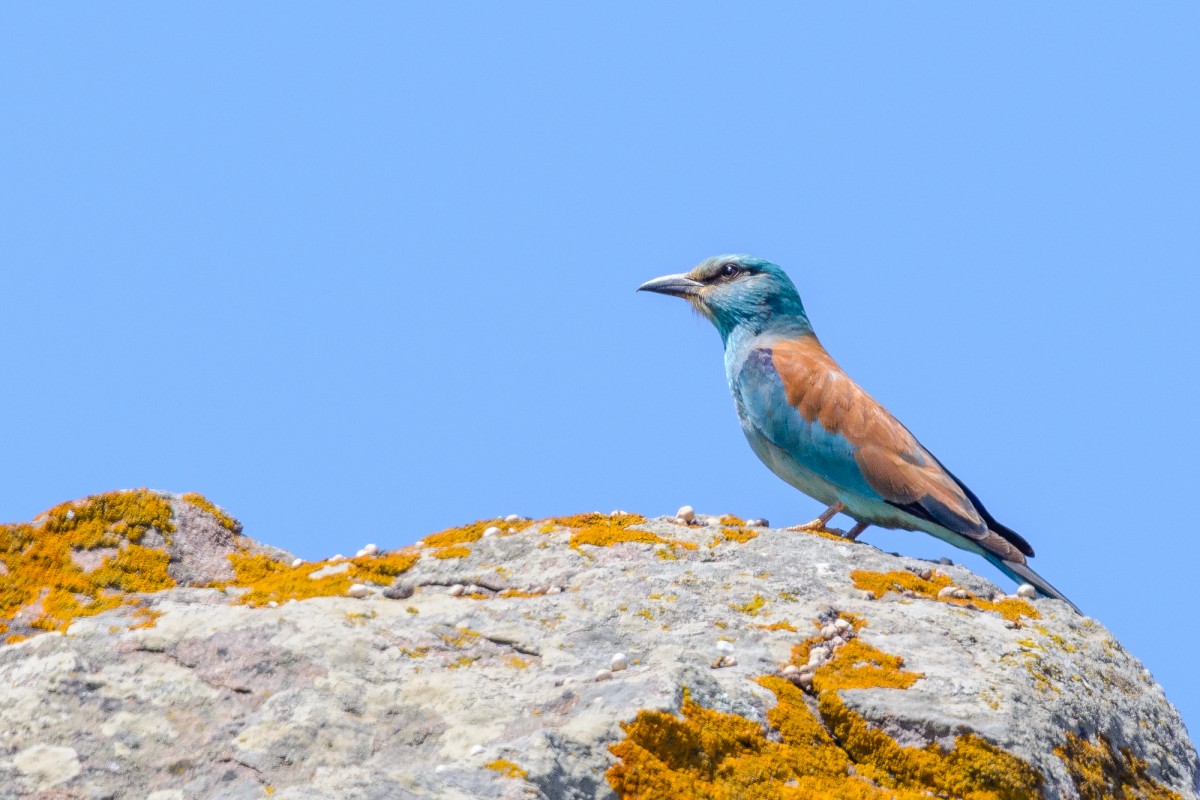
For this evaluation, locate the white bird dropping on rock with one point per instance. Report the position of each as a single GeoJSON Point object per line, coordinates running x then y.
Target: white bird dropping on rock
{"type": "Point", "coordinates": [1027, 591]}
{"type": "Point", "coordinates": [492, 531]}
{"type": "Point", "coordinates": [620, 661]}
{"type": "Point", "coordinates": [686, 513]}
{"type": "Point", "coordinates": [358, 590]}
{"type": "Point", "coordinates": [477, 749]}
{"type": "Point", "coordinates": [604, 675]}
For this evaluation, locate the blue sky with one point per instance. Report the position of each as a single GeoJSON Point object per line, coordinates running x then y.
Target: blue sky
{"type": "Point", "coordinates": [361, 272]}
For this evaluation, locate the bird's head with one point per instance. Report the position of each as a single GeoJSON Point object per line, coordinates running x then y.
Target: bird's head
{"type": "Point", "coordinates": [739, 292]}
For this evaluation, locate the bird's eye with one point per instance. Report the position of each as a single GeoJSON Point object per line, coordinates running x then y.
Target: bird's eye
{"type": "Point", "coordinates": [730, 270]}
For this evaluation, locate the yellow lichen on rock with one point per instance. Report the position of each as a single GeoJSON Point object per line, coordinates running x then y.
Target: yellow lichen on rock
{"type": "Point", "coordinates": [832, 754]}
{"type": "Point", "coordinates": [270, 580]}
{"type": "Point", "coordinates": [739, 535]}
{"type": "Point", "coordinates": [204, 504]}
{"type": "Point", "coordinates": [1100, 772]}
{"type": "Point", "coordinates": [506, 768]}
{"type": "Point", "coordinates": [605, 530]}
{"type": "Point", "coordinates": [453, 551]}
{"type": "Point", "coordinates": [40, 564]}
{"type": "Point", "coordinates": [901, 581]}
{"type": "Point", "coordinates": [465, 534]}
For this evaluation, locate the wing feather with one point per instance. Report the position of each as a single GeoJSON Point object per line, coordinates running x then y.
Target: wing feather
{"type": "Point", "coordinates": [891, 460]}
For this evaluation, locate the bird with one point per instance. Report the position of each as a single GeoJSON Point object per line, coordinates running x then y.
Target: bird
{"type": "Point", "coordinates": [819, 431]}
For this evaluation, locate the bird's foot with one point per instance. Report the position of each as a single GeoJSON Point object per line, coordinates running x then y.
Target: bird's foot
{"type": "Point", "coordinates": [820, 522]}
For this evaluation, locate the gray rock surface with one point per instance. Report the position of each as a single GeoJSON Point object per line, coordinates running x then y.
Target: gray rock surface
{"type": "Point", "coordinates": [336, 697]}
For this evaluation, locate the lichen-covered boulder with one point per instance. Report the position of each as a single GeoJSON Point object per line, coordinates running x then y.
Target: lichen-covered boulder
{"type": "Point", "coordinates": [596, 656]}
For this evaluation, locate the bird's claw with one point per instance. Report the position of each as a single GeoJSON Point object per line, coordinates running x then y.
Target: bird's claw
{"type": "Point", "coordinates": [808, 527]}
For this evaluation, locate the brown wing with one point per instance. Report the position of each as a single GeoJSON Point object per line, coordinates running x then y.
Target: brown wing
{"type": "Point", "coordinates": [890, 458]}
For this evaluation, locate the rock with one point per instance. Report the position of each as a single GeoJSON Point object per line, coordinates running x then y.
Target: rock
{"type": "Point", "coordinates": [685, 514]}
{"type": "Point", "coordinates": [45, 765]}
{"type": "Point", "coordinates": [400, 591]}
{"type": "Point", "coordinates": [186, 691]}
{"type": "Point", "coordinates": [1026, 590]}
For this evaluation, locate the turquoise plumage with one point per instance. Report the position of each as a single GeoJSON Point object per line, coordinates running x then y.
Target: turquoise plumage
{"type": "Point", "coordinates": [818, 430]}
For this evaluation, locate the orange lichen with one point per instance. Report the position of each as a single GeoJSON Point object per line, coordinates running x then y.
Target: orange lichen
{"type": "Point", "coordinates": [42, 578]}
{"type": "Point", "coordinates": [902, 581]}
{"type": "Point", "coordinates": [1100, 772]}
{"type": "Point", "coordinates": [732, 521]}
{"type": "Point", "coordinates": [506, 768]}
{"type": "Point", "coordinates": [858, 665]}
{"type": "Point", "coordinates": [384, 568]}
{"type": "Point", "coordinates": [740, 535]}
{"type": "Point", "coordinates": [135, 569]}
{"type": "Point", "coordinates": [204, 504]}
{"type": "Point", "coordinates": [453, 551]}
{"type": "Point", "coordinates": [105, 520]}
{"type": "Point", "coordinates": [752, 606]}
{"type": "Point", "coordinates": [834, 753]}
{"type": "Point", "coordinates": [149, 617]}
{"type": "Point", "coordinates": [605, 530]}
{"type": "Point", "coordinates": [464, 534]}
{"type": "Point", "coordinates": [269, 580]}
{"type": "Point", "coordinates": [782, 625]}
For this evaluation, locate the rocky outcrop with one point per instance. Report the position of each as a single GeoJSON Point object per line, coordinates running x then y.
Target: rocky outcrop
{"type": "Point", "coordinates": [156, 652]}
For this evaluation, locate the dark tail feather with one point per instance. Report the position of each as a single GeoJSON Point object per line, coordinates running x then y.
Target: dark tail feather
{"type": "Point", "coordinates": [1022, 573]}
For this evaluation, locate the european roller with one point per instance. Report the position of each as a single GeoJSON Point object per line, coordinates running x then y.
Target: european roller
{"type": "Point", "coordinates": [818, 430]}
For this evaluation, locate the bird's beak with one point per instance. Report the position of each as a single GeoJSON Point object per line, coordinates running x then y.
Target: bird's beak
{"type": "Point", "coordinates": [677, 285]}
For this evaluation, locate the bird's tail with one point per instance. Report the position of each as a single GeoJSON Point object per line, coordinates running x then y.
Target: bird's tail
{"type": "Point", "coordinates": [1023, 573]}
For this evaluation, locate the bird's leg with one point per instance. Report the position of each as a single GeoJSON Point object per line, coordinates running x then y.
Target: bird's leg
{"type": "Point", "coordinates": [858, 528]}
{"type": "Point", "coordinates": [820, 522]}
